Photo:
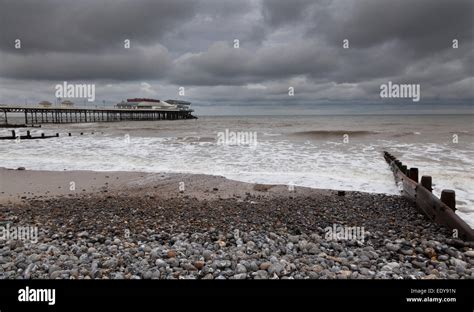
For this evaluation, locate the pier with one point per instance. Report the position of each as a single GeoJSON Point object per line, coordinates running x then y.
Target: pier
{"type": "Point", "coordinates": [440, 210]}
{"type": "Point", "coordinates": [59, 115]}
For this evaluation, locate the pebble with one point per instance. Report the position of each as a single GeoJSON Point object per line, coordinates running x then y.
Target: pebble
{"type": "Point", "coordinates": [407, 252]}
{"type": "Point", "coordinates": [170, 241]}
{"type": "Point", "coordinates": [391, 266]}
{"type": "Point", "coordinates": [171, 254]}
{"type": "Point", "coordinates": [275, 268]}
{"type": "Point", "coordinates": [261, 274]}
{"type": "Point", "coordinates": [393, 247]}
{"type": "Point", "coordinates": [443, 258]}
{"type": "Point", "coordinates": [199, 264]}
{"type": "Point", "coordinates": [207, 255]}
{"type": "Point", "coordinates": [83, 234]}
{"type": "Point", "coordinates": [469, 253]}
{"type": "Point", "coordinates": [240, 276]}
{"type": "Point", "coordinates": [111, 263]}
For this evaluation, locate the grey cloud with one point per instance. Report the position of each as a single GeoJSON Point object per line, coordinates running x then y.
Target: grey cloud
{"type": "Point", "coordinates": [88, 25]}
{"type": "Point", "coordinates": [137, 63]}
{"type": "Point", "coordinates": [223, 64]}
{"type": "Point", "coordinates": [189, 43]}
{"type": "Point", "coordinates": [423, 27]}
{"type": "Point", "coordinates": [281, 12]}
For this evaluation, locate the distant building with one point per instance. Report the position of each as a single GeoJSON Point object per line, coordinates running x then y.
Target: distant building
{"type": "Point", "coordinates": [127, 105]}
{"type": "Point", "coordinates": [182, 105]}
{"type": "Point", "coordinates": [67, 103]}
{"type": "Point", "coordinates": [45, 104]}
{"type": "Point", "coordinates": [143, 103]}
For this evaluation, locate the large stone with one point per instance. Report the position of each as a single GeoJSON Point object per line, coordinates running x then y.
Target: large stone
{"type": "Point", "coordinates": [265, 265]}
{"type": "Point", "coordinates": [199, 264]}
{"type": "Point", "coordinates": [469, 253]}
{"type": "Point", "coordinates": [393, 247]}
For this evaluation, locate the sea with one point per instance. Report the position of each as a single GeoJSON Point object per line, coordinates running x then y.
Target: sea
{"type": "Point", "coordinates": [342, 152]}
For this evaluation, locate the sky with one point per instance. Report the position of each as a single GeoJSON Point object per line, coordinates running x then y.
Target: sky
{"type": "Point", "coordinates": [282, 44]}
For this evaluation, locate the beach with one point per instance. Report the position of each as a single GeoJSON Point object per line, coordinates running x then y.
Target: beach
{"type": "Point", "coordinates": [135, 225]}
{"type": "Point", "coordinates": [323, 152]}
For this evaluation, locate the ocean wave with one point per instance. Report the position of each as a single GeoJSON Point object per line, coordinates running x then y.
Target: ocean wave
{"type": "Point", "coordinates": [191, 139]}
{"type": "Point", "coordinates": [332, 133]}
{"type": "Point", "coordinates": [404, 134]}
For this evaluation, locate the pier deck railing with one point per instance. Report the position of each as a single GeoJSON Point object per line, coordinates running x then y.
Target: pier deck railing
{"type": "Point", "coordinates": [440, 210]}
{"type": "Point", "coordinates": [41, 115]}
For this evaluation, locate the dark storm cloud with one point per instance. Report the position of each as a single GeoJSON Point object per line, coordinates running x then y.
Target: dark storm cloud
{"type": "Point", "coordinates": [223, 64]}
{"type": "Point", "coordinates": [406, 41]}
{"type": "Point", "coordinates": [281, 12]}
{"type": "Point", "coordinates": [282, 43]}
{"type": "Point", "coordinates": [422, 28]}
{"type": "Point", "coordinates": [141, 63]}
{"type": "Point", "coordinates": [215, 21]}
{"type": "Point", "coordinates": [88, 25]}
{"type": "Point", "coordinates": [424, 24]}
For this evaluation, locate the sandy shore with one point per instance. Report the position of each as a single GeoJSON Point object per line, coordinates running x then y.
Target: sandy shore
{"type": "Point", "coordinates": [22, 185]}
{"type": "Point", "coordinates": [167, 226]}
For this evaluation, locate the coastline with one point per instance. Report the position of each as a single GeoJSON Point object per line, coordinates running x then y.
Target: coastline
{"type": "Point", "coordinates": [145, 225]}
{"type": "Point", "coordinates": [23, 185]}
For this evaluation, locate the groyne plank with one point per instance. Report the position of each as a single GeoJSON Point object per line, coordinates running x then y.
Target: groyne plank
{"type": "Point", "coordinates": [437, 210]}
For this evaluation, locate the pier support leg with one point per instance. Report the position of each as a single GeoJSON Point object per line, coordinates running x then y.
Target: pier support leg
{"type": "Point", "coordinates": [3, 118]}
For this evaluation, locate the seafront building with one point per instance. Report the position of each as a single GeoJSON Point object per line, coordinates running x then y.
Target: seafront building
{"type": "Point", "coordinates": [45, 104]}
{"type": "Point", "coordinates": [180, 104]}
{"type": "Point", "coordinates": [67, 104]}
{"type": "Point", "coordinates": [144, 103]}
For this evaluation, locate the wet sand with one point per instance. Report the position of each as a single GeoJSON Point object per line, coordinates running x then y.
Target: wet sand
{"type": "Point", "coordinates": [20, 185]}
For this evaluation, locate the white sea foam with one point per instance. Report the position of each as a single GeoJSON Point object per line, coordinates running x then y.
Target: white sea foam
{"type": "Point", "coordinates": [281, 162]}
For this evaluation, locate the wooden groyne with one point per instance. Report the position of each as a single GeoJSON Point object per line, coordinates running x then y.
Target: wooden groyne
{"type": "Point", "coordinates": [58, 115]}
{"type": "Point", "coordinates": [28, 136]}
{"type": "Point", "coordinates": [440, 210]}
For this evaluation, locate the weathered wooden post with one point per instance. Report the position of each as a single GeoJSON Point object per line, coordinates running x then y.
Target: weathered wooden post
{"type": "Point", "coordinates": [69, 133]}
{"type": "Point", "coordinates": [28, 134]}
{"type": "Point", "coordinates": [413, 174]}
{"type": "Point", "coordinates": [435, 208]}
{"type": "Point", "coordinates": [448, 197]}
{"type": "Point", "coordinates": [42, 135]}
{"type": "Point", "coordinates": [57, 135]}
{"type": "Point", "coordinates": [13, 134]}
{"type": "Point", "coordinates": [404, 169]}
{"type": "Point", "coordinates": [426, 181]}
